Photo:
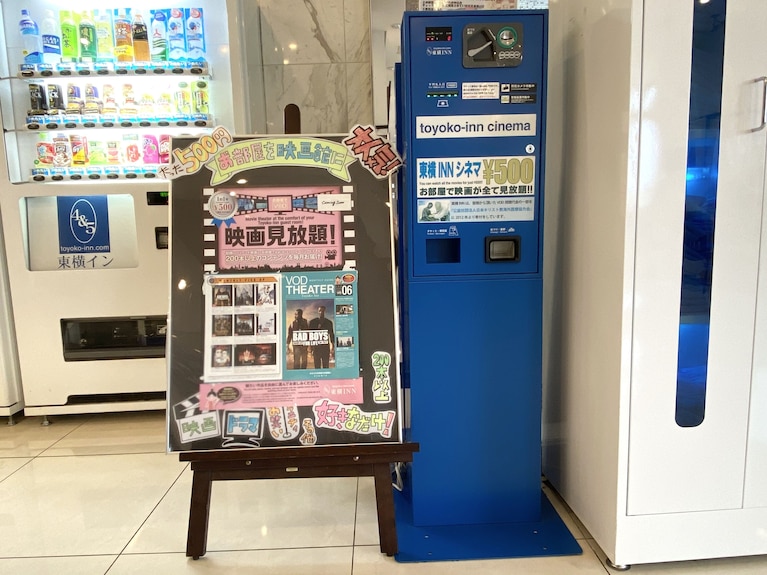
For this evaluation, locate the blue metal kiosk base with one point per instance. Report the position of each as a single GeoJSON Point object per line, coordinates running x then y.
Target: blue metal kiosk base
{"type": "Point", "coordinates": [547, 537]}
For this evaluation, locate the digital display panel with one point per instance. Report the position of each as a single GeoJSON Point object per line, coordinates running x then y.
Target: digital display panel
{"type": "Point", "coordinates": [439, 33]}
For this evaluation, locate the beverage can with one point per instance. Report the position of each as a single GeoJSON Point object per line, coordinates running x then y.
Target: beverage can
{"type": "Point", "coordinates": [74, 99]}
{"type": "Point", "coordinates": [164, 147]}
{"type": "Point", "coordinates": [38, 103]}
{"type": "Point", "coordinates": [131, 149]}
{"type": "Point", "coordinates": [62, 151]}
{"type": "Point", "coordinates": [150, 148]}
{"type": "Point", "coordinates": [79, 145]}
{"type": "Point", "coordinates": [182, 100]}
{"type": "Point", "coordinates": [97, 154]}
{"type": "Point", "coordinates": [93, 103]}
{"type": "Point", "coordinates": [113, 152]}
{"type": "Point", "coordinates": [200, 97]}
{"type": "Point", "coordinates": [55, 98]}
{"type": "Point", "coordinates": [45, 151]}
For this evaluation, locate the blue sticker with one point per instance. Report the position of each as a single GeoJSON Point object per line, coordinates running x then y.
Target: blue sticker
{"type": "Point", "coordinates": [83, 224]}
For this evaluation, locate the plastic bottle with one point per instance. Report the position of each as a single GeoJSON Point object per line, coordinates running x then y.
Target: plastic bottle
{"type": "Point", "coordinates": [88, 39]}
{"type": "Point", "coordinates": [105, 36]}
{"type": "Point", "coordinates": [195, 34]}
{"type": "Point", "coordinates": [140, 39]}
{"type": "Point", "coordinates": [70, 40]}
{"type": "Point", "coordinates": [33, 43]}
{"type": "Point", "coordinates": [51, 38]}
{"type": "Point", "coordinates": [159, 27]}
{"type": "Point", "coordinates": [176, 35]}
{"type": "Point", "coordinates": [123, 38]}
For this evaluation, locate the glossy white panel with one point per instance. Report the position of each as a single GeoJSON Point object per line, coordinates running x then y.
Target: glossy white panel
{"type": "Point", "coordinates": [11, 398]}
{"type": "Point", "coordinates": [756, 458]}
{"type": "Point", "coordinates": [706, 461]}
{"type": "Point", "coordinates": [662, 537]}
{"type": "Point", "coordinates": [595, 71]}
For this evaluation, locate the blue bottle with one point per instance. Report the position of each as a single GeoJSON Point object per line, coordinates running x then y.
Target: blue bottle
{"type": "Point", "coordinates": [33, 42]}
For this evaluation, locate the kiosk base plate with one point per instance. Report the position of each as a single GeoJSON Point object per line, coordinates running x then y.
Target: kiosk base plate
{"type": "Point", "coordinates": [547, 537]}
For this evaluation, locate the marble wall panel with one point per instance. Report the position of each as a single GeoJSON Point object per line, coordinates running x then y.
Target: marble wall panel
{"type": "Point", "coordinates": [302, 31]}
{"type": "Point", "coordinates": [319, 90]}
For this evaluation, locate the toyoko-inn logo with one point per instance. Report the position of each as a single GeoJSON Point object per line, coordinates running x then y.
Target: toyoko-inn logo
{"type": "Point", "coordinates": [439, 51]}
{"type": "Point", "coordinates": [83, 221]}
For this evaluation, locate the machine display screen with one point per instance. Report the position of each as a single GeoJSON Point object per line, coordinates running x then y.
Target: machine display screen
{"type": "Point", "coordinates": [439, 33]}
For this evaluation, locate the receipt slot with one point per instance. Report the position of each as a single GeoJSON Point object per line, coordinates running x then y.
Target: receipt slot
{"type": "Point", "coordinates": [473, 96]}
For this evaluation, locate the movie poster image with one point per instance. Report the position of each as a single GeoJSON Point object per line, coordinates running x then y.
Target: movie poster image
{"type": "Point", "coordinates": [313, 328]}
{"type": "Point", "coordinates": [282, 228]}
{"type": "Point", "coordinates": [241, 323]}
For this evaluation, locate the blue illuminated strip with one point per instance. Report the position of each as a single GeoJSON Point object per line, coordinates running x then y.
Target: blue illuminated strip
{"type": "Point", "coordinates": [700, 210]}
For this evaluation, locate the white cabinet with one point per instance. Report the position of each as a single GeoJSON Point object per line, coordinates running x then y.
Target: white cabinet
{"type": "Point", "coordinates": [654, 390]}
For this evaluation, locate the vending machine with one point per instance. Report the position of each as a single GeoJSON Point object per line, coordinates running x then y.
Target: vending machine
{"type": "Point", "coordinates": [473, 134]}
{"type": "Point", "coordinates": [91, 97]}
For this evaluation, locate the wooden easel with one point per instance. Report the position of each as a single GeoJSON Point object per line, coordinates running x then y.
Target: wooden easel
{"type": "Point", "coordinates": [280, 463]}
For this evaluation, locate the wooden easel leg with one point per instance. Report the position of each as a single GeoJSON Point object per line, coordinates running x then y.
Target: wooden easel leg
{"type": "Point", "coordinates": [387, 527]}
{"type": "Point", "coordinates": [199, 509]}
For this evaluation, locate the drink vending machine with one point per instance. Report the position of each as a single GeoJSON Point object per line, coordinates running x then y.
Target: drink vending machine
{"type": "Point", "coordinates": [472, 133]}
{"type": "Point", "coordinates": [90, 99]}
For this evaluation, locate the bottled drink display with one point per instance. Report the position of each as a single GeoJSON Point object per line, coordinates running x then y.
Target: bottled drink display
{"type": "Point", "coordinates": [104, 36]}
{"type": "Point", "coordinates": [123, 35]}
{"type": "Point", "coordinates": [32, 52]}
{"type": "Point", "coordinates": [89, 70]}
{"type": "Point", "coordinates": [70, 37]}
{"type": "Point", "coordinates": [159, 35]}
{"type": "Point", "coordinates": [140, 39]}
{"type": "Point", "coordinates": [195, 38]}
{"type": "Point", "coordinates": [88, 39]}
{"type": "Point", "coordinates": [51, 38]}
{"type": "Point", "coordinates": [176, 35]}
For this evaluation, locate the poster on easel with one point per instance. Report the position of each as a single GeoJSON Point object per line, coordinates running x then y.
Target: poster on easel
{"type": "Point", "coordinates": [282, 324]}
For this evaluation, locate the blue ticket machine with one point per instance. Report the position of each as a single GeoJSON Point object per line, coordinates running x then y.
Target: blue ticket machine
{"type": "Point", "coordinates": [473, 100]}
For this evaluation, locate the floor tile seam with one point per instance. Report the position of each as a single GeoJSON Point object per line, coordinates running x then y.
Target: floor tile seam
{"type": "Point", "coordinates": [243, 550]}
{"type": "Point", "coordinates": [67, 556]}
{"type": "Point", "coordinates": [55, 456]}
{"type": "Point", "coordinates": [29, 462]}
{"type": "Point", "coordinates": [75, 428]}
{"type": "Point", "coordinates": [154, 508]}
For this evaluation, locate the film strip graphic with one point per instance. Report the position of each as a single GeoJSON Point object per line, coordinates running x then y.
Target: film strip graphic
{"type": "Point", "coordinates": [249, 202]}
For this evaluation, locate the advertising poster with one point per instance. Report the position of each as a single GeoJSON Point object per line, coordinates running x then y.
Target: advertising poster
{"type": "Point", "coordinates": [282, 323]}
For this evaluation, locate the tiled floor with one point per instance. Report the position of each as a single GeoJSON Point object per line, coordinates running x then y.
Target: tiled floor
{"type": "Point", "coordinates": [91, 495]}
